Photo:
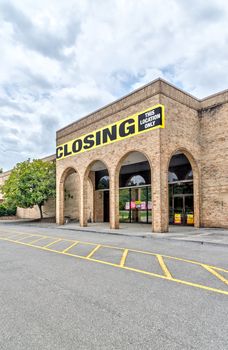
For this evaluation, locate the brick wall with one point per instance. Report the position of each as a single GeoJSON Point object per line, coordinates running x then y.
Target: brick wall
{"type": "Point", "coordinates": [187, 130]}
{"type": "Point", "coordinates": [214, 165]}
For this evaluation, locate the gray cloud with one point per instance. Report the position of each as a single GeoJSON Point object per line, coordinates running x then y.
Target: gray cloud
{"type": "Point", "coordinates": [63, 59]}
{"type": "Point", "coordinates": [33, 38]}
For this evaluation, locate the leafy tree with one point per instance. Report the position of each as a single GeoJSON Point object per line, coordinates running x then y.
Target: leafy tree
{"type": "Point", "coordinates": [29, 184]}
{"type": "Point", "coordinates": [1, 170]}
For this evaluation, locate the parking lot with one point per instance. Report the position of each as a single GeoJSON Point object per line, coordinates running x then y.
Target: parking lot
{"type": "Point", "coordinates": [66, 290]}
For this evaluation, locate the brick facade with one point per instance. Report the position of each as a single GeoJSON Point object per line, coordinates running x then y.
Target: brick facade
{"type": "Point", "coordinates": [196, 128]}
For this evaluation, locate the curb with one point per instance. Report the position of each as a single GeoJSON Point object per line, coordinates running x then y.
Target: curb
{"type": "Point", "coordinates": [148, 236]}
{"type": "Point", "coordinates": [115, 233]}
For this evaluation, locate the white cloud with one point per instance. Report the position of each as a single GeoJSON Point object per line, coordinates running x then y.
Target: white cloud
{"type": "Point", "coordinates": [63, 59]}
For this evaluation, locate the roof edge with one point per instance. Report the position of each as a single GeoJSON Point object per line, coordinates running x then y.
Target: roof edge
{"type": "Point", "coordinates": [159, 79]}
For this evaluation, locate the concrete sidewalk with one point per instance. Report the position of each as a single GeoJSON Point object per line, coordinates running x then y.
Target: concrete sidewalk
{"type": "Point", "coordinates": [179, 233]}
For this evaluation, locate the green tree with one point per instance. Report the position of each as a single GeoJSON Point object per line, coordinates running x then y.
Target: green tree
{"type": "Point", "coordinates": [1, 170]}
{"type": "Point", "coordinates": [29, 184]}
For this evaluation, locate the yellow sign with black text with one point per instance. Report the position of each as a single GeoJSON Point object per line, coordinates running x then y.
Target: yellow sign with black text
{"type": "Point", "coordinates": [177, 218]}
{"type": "Point", "coordinates": [190, 219]}
{"type": "Point", "coordinates": [149, 119]}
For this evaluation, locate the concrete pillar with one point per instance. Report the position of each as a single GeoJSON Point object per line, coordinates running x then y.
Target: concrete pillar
{"type": "Point", "coordinates": [114, 200]}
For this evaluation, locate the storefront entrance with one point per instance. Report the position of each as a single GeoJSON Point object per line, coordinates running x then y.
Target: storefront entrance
{"type": "Point", "coordinates": [181, 198]}
{"type": "Point", "coordinates": [135, 205]}
{"type": "Point", "coordinates": [182, 211]}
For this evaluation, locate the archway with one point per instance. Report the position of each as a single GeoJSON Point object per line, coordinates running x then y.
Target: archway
{"type": "Point", "coordinates": [183, 180]}
{"type": "Point", "coordinates": [67, 208]}
{"type": "Point", "coordinates": [135, 195]}
{"type": "Point", "coordinates": [96, 203]}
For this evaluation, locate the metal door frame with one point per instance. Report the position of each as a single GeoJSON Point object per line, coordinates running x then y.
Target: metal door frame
{"type": "Point", "coordinates": [184, 208]}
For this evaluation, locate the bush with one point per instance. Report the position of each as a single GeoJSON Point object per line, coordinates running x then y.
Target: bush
{"type": "Point", "coordinates": [7, 211]}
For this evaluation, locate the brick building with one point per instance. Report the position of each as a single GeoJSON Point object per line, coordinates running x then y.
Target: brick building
{"type": "Point", "coordinates": [157, 156]}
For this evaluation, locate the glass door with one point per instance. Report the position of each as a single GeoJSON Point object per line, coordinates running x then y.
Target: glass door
{"type": "Point", "coordinates": [189, 210]}
{"type": "Point", "coordinates": [124, 205]}
{"type": "Point", "coordinates": [178, 210]}
{"type": "Point", "coordinates": [142, 204]}
{"type": "Point", "coordinates": [183, 210]}
{"type": "Point", "coordinates": [134, 207]}
{"type": "Point", "coordinates": [135, 204]}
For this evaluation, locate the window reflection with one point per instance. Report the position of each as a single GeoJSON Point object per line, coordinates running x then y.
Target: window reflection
{"type": "Point", "coordinates": [135, 180]}
{"type": "Point", "coordinates": [103, 183]}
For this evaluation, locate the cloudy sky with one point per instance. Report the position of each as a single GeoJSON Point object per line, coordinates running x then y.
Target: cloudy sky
{"type": "Point", "coordinates": [60, 60]}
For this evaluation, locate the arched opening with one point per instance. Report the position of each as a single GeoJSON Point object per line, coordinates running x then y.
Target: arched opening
{"type": "Point", "coordinates": [135, 202]}
{"type": "Point", "coordinates": [181, 190]}
{"type": "Point", "coordinates": [97, 199]}
{"type": "Point", "coordinates": [67, 208]}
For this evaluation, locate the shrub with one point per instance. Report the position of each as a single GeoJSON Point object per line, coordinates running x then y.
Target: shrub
{"type": "Point", "coordinates": [7, 210]}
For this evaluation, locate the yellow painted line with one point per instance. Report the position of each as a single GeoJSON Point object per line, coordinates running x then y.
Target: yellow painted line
{"type": "Point", "coordinates": [17, 235]}
{"type": "Point", "coordinates": [8, 234]}
{"type": "Point", "coordinates": [48, 245]}
{"type": "Point", "coordinates": [179, 259]}
{"type": "Point", "coordinates": [28, 236]}
{"type": "Point", "coordinates": [126, 268]}
{"type": "Point", "coordinates": [215, 273]}
{"type": "Point", "coordinates": [163, 266]}
{"type": "Point", "coordinates": [124, 257]}
{"type": "Point", "coordinates": [71, 246]}
{"type": "Point", "coordinates": [37, 240]}
{"type": "Point", "coordinates": [93, 251]}
{"type": "Point", "coordinates": [140, 251]}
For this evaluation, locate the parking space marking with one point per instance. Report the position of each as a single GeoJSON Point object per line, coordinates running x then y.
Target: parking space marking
{"type": "Point", "coordinates": [93, 251]}
{"type": "Point", "coordinates": [122, 265]}
{"type": "Point", "coordinates": [21, 238]}
{"type": "Point", "coordinates": [124, 257]}
{"type": "Point", "coordinates": [37, 240]}
{"type": "Point", "coordinates": [216, 274]}
{"type": "Point", "coordinates": [27, 236]}
{"type": "Point", "coordinates": [71, 246]}
{"type": "Point", "coordinates": [17, 235]}
{"type": "Point", "coordinates": [163, 266]}
{"type": "Point", "coordinates": [49, 244]}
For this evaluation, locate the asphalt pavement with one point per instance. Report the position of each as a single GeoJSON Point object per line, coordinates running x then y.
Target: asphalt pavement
{"type": "Point", "coordinates": [85, 299]}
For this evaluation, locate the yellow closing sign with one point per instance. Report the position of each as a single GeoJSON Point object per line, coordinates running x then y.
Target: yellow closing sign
{"type": "Point", "coordinates": [151, 118]}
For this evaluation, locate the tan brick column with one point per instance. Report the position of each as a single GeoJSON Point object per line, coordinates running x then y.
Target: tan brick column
{"type": "Point", "coordinates": [196, 193]}
{"type": "Point", "coordinates": [159, 196]}
{"type": "Point", "coordinates": [60, 202]}
{"type": "Point", "coordinates": [83, 201]}
{"type": "Point", "coordinates": [114, 199]}
{"type": "Point", "coordinates": [92, 179]}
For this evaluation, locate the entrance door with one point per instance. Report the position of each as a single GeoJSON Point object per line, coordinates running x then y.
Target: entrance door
{"type": "Point", "coordinates": [134, 199]}
{"type": "Point", "coordinates": [106, 206]}
{"type": "Point", "coordinates": [178, 210]}
{"type": "Point", "coordinates": [183, 211]}
{"type": "Point", "coordinates": [135, 205]}
{"type": "Point", "coordinates": [189, 210]}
